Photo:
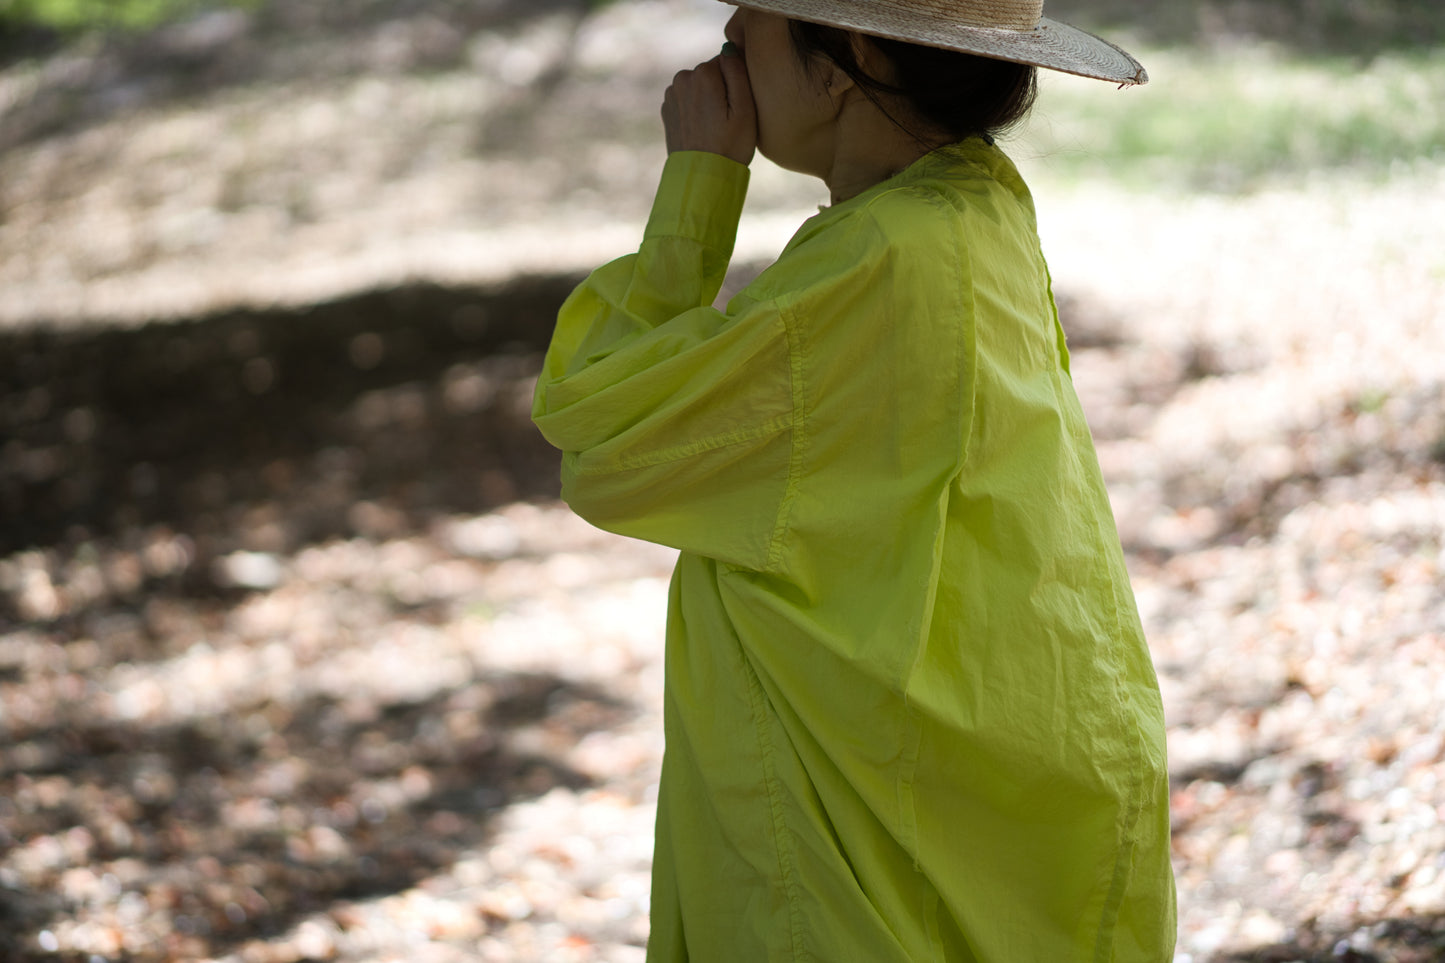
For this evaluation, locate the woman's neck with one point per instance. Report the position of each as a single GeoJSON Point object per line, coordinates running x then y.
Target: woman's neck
{"type": "Point", "coordinates": [868, 148]}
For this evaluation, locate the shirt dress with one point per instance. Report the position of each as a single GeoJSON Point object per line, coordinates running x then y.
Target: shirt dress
{"type": "Point", "coordinates": [910, 714]}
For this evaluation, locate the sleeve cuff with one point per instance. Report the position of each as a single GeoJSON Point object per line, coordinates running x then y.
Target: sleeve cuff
{"type": "Point", "coordinates": [699, 197]}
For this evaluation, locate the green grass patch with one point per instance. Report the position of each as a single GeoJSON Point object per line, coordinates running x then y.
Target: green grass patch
{"type": "Point", "coordinates": [1239, 120]}
{"type": "Point", "coordinates": [71, 15]}
{"type": "Point", "coordinates": [1346, 28]}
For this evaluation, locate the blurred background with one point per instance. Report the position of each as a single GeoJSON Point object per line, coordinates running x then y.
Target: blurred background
{"type": "Point", "coordinates": [300, 658]}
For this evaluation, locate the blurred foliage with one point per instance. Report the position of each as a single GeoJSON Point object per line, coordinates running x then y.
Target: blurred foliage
{"type": "Point", "coordinates": [1351, 28]}
{"type": "Point", "coordinates": [1239, 119]}
{"type": "Point", "coordinates": [104, 14]}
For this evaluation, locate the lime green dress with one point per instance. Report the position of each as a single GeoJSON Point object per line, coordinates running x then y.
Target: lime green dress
{"type": "Point", "coordinates": [909, 710]}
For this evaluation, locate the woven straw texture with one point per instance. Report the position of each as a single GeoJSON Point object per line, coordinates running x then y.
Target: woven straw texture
{"type": "Point", "coordinates": [1003, 29]}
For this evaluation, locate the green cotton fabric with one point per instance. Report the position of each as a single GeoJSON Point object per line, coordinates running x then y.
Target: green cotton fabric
{"type": "Point", "coordinates": [910, 713]}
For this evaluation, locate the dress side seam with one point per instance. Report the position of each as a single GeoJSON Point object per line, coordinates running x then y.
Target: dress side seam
{"type": "Point", "coordinates": [1128, 825]}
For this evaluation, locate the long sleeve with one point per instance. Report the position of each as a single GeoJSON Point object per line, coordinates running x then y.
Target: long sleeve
{"type": "Point", "coordinates": [674, 418]}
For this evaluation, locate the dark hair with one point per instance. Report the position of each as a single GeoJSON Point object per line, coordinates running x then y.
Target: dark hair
{"type": "Point", "coordinates": [958, 94]}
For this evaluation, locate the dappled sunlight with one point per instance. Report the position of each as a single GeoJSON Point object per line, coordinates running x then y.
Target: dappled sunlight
{"type": "Point", "coordinates": [346, 757]}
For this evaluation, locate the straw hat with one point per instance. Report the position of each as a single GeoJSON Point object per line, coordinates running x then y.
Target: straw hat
{"type": "Point", "coordinates": [1013, 30]}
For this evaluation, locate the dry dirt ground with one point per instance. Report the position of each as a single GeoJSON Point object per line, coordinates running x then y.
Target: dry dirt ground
{"type": "Point", "coordinates": [301, 660]}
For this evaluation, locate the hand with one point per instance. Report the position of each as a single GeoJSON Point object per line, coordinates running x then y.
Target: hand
{"type": "Point", "coordinates": [710, 108]}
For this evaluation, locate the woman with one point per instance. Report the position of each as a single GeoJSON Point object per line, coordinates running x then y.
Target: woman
{"type": "Point", "coordinates": [910, 714]}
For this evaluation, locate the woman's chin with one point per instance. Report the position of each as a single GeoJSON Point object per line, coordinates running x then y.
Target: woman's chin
{"type": "Point", "coordinates": [788, 163]}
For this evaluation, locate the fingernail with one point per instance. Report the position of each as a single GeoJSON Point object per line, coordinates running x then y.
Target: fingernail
{"type": "Point", "coordinates": [729, 49]}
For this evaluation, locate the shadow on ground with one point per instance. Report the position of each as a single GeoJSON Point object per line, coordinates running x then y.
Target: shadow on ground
{"type": "Point", "coordinates": [241, 826]}
{"type": "Point", "coordinates": [370, 417]}
{"type": "Point", "coordinates": [273, 429]}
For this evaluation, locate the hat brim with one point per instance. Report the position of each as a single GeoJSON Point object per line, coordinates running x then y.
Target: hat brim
{"type": "Point", "coordinates": [1052, 44]}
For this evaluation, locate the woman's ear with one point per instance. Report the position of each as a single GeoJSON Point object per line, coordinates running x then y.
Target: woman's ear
{"type": "Point", "coordinates": [835, 79]}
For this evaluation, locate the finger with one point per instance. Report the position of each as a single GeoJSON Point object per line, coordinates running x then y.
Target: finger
{"type": "Point", "coordinates": [670, 116]}
{"type": "Point", "coordinates": [708, 78]}
{"type": "Point", "coordinates": [737, 85]}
